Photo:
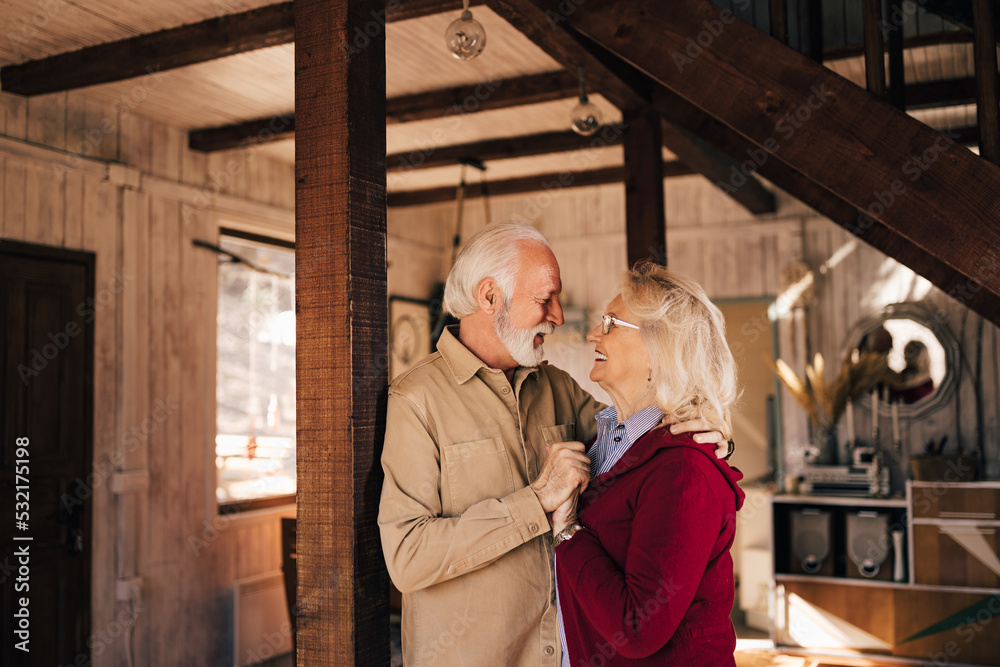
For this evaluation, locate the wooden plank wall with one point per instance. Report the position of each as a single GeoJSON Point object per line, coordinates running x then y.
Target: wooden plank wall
{"type": "Point", "coordinates": [735, 255]}
{"type": "Point", "coordinates": [155, 353]}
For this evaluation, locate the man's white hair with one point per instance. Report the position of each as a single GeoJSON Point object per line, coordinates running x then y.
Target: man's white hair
{"type": "Point", "coordinates": [492, 252]}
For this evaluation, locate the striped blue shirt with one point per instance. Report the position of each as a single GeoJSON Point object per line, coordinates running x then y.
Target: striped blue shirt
{"type": "Point", "coordinates": [614, 439]}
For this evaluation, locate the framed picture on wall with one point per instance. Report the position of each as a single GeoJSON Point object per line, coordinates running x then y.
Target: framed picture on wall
{"type": "Point", "coordinates": [409, 333]}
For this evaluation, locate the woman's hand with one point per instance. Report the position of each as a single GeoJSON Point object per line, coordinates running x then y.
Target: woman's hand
{"type": "Point", "coordinates": [565, 472]}
{"type": "Point", "coordinates": [702, 434]}
{"type": "Point", "coordinates": [565, 514]}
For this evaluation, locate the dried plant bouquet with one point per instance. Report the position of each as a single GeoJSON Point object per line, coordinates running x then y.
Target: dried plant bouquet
{"type": "Point", "coordinates": [824, 401]}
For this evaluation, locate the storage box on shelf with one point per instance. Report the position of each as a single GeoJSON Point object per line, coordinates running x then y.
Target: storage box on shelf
{"type": "Point", "coordinates": [916, 577]}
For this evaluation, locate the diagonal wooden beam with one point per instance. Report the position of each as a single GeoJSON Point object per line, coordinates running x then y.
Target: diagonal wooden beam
{"type": "Point", "coordinates": [715, 165]}
{"type": "Point", "coordinates": [547, 34]}
{"type": "Point", "coordinates": [500, 149]}
{"type": "Point", "coordinates": [549, 183]}
{"type": "Point", "coordinates": [485, 96]}
{"type": "Point", "coordinates": [191, 44]}
{"type": "Point", "coordinates": [623, 86]}
{"type": "Point", "coordinates": [932, 196]}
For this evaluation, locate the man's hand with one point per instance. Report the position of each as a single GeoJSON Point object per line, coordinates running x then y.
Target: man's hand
{"type": "Point", "coordinates": [702, 434]}
{"type": "Point", "coordinates": [565, 472]}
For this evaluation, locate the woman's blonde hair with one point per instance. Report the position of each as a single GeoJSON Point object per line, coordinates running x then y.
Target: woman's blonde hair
{"type": "Point", "coordinates": [693, 371]}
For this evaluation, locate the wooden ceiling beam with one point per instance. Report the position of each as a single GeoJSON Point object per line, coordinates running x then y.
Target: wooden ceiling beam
{"type": "Point", "coordinates": [891, 170]}
{"type": "Point", "coordinates": [404, 10]}
{"type": "Point", "coordinates": [190, 44]}
{"type": "Point", "coordinates": [848, 51]}
{"type": "Point", "coordinates": [537, 88]}
{"type": "Point", "coordinates": [501, 149]}
{"type": "Point", "coordinates": [485, 96]}
{"type": "Point", "coordinates": [153, 52]}
{"type": "Point", "coordinates": [942, 93]}
{"type": "Point", "coordinates": [549, 183]}
{"type": "Point", "coordinates": [275, 128]}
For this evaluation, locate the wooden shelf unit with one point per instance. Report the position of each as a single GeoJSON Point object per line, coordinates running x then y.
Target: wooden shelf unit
{"type": "Point", "coordinates": [952, 571]}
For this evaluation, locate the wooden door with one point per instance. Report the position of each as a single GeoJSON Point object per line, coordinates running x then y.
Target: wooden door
{"type": "Point", "coordinates": [46, 393]}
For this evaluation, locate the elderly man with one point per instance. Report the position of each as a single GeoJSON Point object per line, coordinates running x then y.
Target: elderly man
{"type": "Point", "coordinates": [482, 443]}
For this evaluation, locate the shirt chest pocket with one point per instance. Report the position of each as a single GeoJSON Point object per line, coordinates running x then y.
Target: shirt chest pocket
{"type": "Point", "coordinates": [560, 433]}
{"type": "Point", "coordinates": [475, 471]}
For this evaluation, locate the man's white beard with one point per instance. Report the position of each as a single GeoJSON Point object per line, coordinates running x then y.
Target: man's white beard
{"type": "Point", "coordinates": [520, 343]}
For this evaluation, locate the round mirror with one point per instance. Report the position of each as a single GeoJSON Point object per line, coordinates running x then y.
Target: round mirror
{"type": "Point", "coordinates": [921, 353]}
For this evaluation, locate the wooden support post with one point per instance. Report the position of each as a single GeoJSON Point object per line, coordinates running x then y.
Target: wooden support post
{"type": "Point", "coordinates": [645, 219]}
{"type": "Point", "coordinates": [779, 20]}
{"type": "Point", "coordinates": [874, 47]}
{"type": "Point", "coordinates": [341, 358]}
{"type": "Point", "coordinates": [985, 54]}
{"type": "Point", "coordinates": [814, 24]}
{"type": "Point", "coordinates": [897, 76]}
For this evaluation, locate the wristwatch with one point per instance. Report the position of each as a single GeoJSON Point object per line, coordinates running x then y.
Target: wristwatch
{"type": "Point", "coordinates": [566, 533]}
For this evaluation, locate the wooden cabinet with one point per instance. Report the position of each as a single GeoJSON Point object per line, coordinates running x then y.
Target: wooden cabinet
{"type": "Point", "coordinates": [916, 577]}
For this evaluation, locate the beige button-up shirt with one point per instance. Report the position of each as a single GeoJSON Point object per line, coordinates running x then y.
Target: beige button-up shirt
{"type": "Point", "coordinates": [465, 540]}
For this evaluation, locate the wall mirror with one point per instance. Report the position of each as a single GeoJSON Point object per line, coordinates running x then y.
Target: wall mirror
{"type": "Point", "coordinates": [923, 357]}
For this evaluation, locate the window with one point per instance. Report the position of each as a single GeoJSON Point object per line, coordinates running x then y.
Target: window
{"type": "Point", "coordinates": [255, 383]}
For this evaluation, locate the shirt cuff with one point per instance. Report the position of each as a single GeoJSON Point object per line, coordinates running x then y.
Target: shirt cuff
{"type": "Point", "coordinates": [527, 513]}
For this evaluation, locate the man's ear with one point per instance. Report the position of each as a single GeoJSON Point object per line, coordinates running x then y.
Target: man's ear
{"type": "Point", "coordinates": [487, 295]}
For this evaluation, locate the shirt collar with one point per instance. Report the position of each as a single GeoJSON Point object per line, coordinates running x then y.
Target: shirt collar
{"type": "Point", "coordinates": [636, 426]}
{"type": "Point", "coordinates": [462, 363]}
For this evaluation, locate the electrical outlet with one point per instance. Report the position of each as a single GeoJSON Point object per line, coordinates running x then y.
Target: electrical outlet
{"type": "Point", "coordinates": [127, 590]}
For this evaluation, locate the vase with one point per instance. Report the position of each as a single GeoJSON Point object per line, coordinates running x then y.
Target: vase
{"type": "Point", "coordinates": [824, 445]}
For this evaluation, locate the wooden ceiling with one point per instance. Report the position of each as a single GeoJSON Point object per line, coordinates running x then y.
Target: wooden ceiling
{"type": "Point", "coordinates": [209, 64]}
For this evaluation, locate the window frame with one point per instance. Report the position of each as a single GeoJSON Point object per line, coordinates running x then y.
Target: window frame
{"type": "Point", "coordinates": [238, 507]}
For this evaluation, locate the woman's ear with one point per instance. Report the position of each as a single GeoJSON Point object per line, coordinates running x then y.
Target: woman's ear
{"type": "Point", "coordinates": [487, 294]}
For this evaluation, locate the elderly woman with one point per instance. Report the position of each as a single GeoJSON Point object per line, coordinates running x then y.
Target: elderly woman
{"type": "Point", "coordinates": [643, 569]}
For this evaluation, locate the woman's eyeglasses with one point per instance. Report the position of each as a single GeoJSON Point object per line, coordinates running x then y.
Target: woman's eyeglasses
{"type": "Point", "coordinates": [609, 321]}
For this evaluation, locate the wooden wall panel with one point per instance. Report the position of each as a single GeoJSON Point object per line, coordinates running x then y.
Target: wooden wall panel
{"type": "Point", "coordinates": [101, 236]}
{"type": "Point", "coordinates": [43, 195]}
{"type": "Point", "coordinates": [47, 120]}
{"type": "Point", "coordinates": [154, 358]}
{"type": "Point", "coordinates": [14, 115]}
{"type": "Point", "coordinates": [15, 176]}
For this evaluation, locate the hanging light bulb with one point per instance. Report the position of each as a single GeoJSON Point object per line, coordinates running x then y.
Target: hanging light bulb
{"type": "Point", "coordinates": [586, 115]}
{"type": "Point", "coordinates": [465, 37]}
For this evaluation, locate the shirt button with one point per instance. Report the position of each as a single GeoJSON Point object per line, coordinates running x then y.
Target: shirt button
{"type": "Point", "coordinates": [549, 650]}
{"type": "Point", "coordinates": [533, 527]}
{"type": "Point", "coordinates": [618, 439]}
{"type": "Point", "coordinates": [506, 390]}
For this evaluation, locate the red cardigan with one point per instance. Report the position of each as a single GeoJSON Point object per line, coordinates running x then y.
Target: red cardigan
{"type": "Point", "coordinates": [651, 580]}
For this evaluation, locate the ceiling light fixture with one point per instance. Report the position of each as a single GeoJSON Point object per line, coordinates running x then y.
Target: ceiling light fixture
{"type": "Point", "coordinates": [586, 115]}
{"type": "Point", "coordinates": [465, 36]}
